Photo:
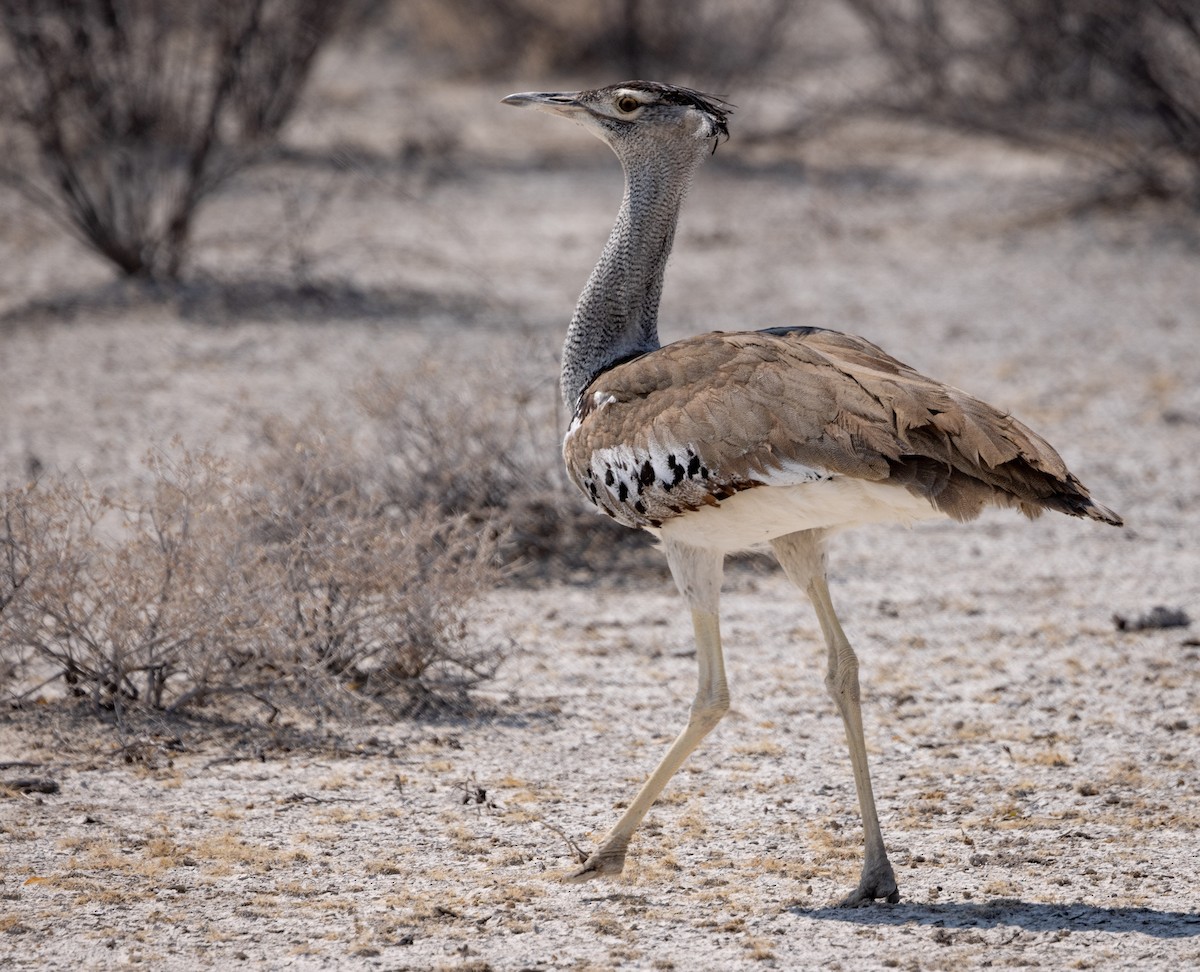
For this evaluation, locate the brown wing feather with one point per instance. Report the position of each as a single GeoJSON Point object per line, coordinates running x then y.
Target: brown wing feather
{"type": "Point", "coordinates": [737, 410]}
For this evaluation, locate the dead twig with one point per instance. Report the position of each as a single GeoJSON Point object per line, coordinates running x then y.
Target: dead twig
{"type": "Point", "coordinates": [31, 784]}
{"type": "Point", "coordinates": [1156, 618]}
{"type": "Point", "coordinates": [577, 852]}
{"type": "Point", "coordinates": [299, 797]}
{"type": "Point", "coordinates": [473, 793]}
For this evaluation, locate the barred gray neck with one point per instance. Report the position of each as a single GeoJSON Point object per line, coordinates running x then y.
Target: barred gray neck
{"type": "Point", "coordinates": [617, 314]}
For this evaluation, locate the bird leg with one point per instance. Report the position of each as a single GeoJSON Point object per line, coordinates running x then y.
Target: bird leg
{"type": "Point", "coordinates": [699, 578]}
{"type": "Point", "coordinates": [802, 558]}
{"type": "Point", "coordinates": [878, 880]}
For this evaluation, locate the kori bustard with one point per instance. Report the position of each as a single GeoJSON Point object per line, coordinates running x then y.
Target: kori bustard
{"type": "Point", "coordinates": [731, 440]}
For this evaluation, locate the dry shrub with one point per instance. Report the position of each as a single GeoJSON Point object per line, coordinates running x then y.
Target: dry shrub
{"type": "Point", "coordinates": [289, 582]}
{"type": "Point", "coordinates": [375, 590]}
{"type": "Point", "coordinates": [1113, 80]}
{"type": "Point", "coordinates": [137, 110]}
{"type": "Point", "coordinates": [115, 598]}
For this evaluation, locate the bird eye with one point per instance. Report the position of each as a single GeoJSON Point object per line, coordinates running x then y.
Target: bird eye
{"type": "Point", "coordinates": [628, 104]}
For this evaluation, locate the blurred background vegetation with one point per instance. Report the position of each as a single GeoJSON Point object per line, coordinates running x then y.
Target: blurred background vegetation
{"type": "Point", "coordinates": [124, 116]}
{"type": "Point", "coordinates": [340, 563]}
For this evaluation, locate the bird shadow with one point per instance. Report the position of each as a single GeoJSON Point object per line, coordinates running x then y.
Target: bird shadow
{"type": "Point", "coordinates": [1029, 916]}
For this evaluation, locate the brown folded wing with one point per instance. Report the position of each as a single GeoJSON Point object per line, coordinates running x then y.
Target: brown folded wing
{"type": "Point", "coordinates": [696, 421]}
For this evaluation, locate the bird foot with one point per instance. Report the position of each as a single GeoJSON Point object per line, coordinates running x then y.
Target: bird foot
{"type": "Point", "coordinates": [605, 862]}
{"type": "Point", "coordinates": [876, 882]}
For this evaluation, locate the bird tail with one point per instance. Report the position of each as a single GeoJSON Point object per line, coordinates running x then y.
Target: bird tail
{"type": "Point", "coordinates": [1094, 511]}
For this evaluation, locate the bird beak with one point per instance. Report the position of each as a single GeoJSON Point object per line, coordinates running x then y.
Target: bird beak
{"type": "Point", "coordinates": [565, 103]}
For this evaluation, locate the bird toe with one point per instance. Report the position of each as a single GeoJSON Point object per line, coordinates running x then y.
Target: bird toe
{"type": "Point", "coordinates": [598, 865]}
{"type": "Point", "coordinates": [871, 888]}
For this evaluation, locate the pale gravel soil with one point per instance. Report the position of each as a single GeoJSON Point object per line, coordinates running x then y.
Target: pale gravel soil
{"type": "Point", "coordinates": [1036, 769]}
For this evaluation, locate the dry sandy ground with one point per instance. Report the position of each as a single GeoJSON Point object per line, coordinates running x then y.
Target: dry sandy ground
{"type": "Point", "coordinates": [1036, 769]}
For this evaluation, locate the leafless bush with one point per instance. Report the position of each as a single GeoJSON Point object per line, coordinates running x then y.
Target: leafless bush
{"type": "Point", "coordinates": [716, 40]}
{"type": "Point", "coordinates": [289, 582]}
{"type": "Point", "coordinates": [1117, 81]}
{"type": "Point", "coordinates": [373, 590]}
{"type": "Point", "coordinates": [138, 109]}
{"type": "Point", "coordinates": [115, 598]}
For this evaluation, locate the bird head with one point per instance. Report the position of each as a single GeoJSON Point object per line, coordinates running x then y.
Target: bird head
{"type": "Point", "coordinates": [636, 116]}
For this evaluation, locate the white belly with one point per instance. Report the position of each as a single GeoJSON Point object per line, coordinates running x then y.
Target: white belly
{"type": "Point", "coordinates": [754, 516]}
